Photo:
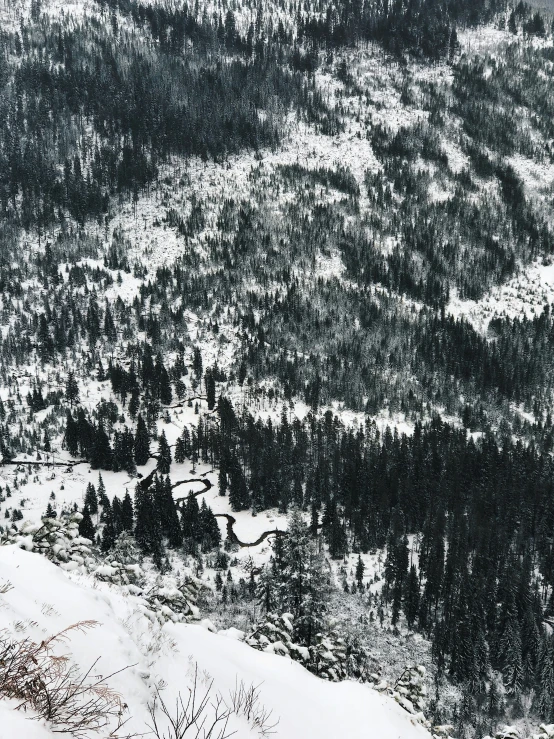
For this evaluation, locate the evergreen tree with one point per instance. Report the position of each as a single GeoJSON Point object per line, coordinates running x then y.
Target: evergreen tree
{"type": "Point", "coordinates": [360, 569]}
{"type": "Point", "coordinates": [117, 516]}
{"type": "Point", "coordinates": [148, 533]}
{"type": "Point", "coordinates": [335, 533]}
{"type": "Point", "coordinates": [544, 698]}
{"type": "Point", "coordinates": [109, 325]}
{"type": "Point", "coordinates": [303, 586]}
{"type": "Point", "coordinates": [268, 592]}
{"type": "Point", "coordinates": [180, 452]}
{"type": "Point", "coordinates": [167, 512]}
{"type": "Point", "coordinates": [50, 512]}
{"type": "Point", "coordinates": [190, 520]}
{"type": "Point", "coordinates": [71, 436]}
{"type": "Point", "coordinates": [142, 442]}
{"type": "Point", "coordinates": [197, 363]}
{"type": "Point", "coordinates": [164, 455]}
{"type": "Point", "coordinates": [134, 403]}
{"type": "Point", "coordinates": [91, 501]}
{"type": "Point", "coordinates": [71, 389]}
{"type": "Point", "coordinates": [239, 498]}
{"type": "Point", "coordinates": [86, 527]}
{"type": "Point", "coordinates": [512, 25]}
{"type": "Point", "coordinates": [102, 497]}
{"type": "Point", "coordinates": [210, 390]}
{"type": "Point", "coordinates": [127, 517]}
{"type": "Point", "coordinates": [108, 532]}
{"type": "Point", "coordinates": [164, 385]}
{"type": "Point", "coordinates": [510, 650]}
{"type": "Point", "coordinates": [209, 528]}
{"type": "Point", "coordinates": [411, 599]}
{"type": "Point", "coordinates": [101, 454]}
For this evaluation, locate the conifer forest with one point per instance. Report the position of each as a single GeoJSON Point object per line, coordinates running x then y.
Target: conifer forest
{"type": "Point", "coordinates": [277, 359]}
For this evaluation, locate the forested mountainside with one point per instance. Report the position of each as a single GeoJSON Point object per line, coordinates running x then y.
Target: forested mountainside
{"type": "Point", "coordinates": [277, 329]}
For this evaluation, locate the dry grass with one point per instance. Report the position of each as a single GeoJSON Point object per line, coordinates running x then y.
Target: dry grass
{"type": "Point", "coordinates": [53, 688]}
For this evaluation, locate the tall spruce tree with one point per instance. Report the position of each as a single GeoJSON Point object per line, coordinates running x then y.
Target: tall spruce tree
{"type": "Point", "coordinates": [167, 511]}
{"type": "Point", "coordinates": [239, 498]}
{"type": "Point", "coordinates": [148, 533]}
{"type": "Point", "coordinates": [164, 455]}
{"type": "Point", "coordinates": [86, 527]}
{"type": "Point", "coordinates": [142, 442]}
{"type": "Point", "coordinates": [303, 585]}
{"type": "Point", "coordinates": [91, 500]}
{"type": "Point", "coordinates": [127, 515]}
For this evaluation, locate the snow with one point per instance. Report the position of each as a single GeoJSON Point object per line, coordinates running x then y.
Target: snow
{"type": "Point", "coordinates": [526, 294]}
{"type": "Point", "coordinates": [15, 724]}
{"type": "Point", "coordinates": [44, 600]}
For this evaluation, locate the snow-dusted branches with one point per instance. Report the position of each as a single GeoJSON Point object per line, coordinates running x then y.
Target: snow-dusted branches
{"type": "Point", "coordinates": [207, 715]}
{"type": "Point", "coordinates": [245, 701]}
{"type": "Point", "coordinates": [74, 702]}
{"type": "Point", "coordinates": [200, 717]}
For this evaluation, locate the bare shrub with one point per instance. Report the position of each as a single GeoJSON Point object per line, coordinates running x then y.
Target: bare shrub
{"type": "Point", "coordinates": [53, 688]}
{"type": "Point", "coordinates": [190, 719]}
{"type": "Point", "coordinates": [245, 701]}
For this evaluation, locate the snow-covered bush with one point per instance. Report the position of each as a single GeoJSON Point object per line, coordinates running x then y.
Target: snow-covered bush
{"type": "Point", "coordinates": [331, 657]}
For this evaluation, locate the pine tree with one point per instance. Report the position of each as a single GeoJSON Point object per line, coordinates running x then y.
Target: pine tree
{"type": "Point", "coordinates": [180, 453]}
{"type": "Point", "coordinates": [411, 598]}
{"type": "Point", "coordinates": [91, 501]}
{"type": "Point", "coordinates": [142, 443]}
{"type": "Point", "coordinates": [102, 497]}
{"type": "Point", "coordinates": [239, 498]}
{"type": "Point", "coordinates": [510, 650]}
{"type": "Point", "coordinates": [117, 515]}
{"type": "Point", "coordinates": [123, 454]}
{"type": "Point", "coordinates": [210, 390]}
{"type": "Point", "coordinates": [223, 479]}
{"type": "Point", "coordinates": [360, 569]}
{"type": "Point", "coordinates": [148, 533]}
{"type": "Point", "coordinates": [101, 454]}
{"type": "Point", "coordinates": [218, 580]}
{"type": "Point", "coordinates": [544, 699]}
{"type": "Point", "coordinates": [127, 517]}
{"type": "Point", "coordinates": [167, 512]}
{"type": "Point", "coordinates": [50, 512]}
{"type": "Point", "coordinates": [267, 589]}
{"type": "Point", "coordinates": [303, 586]}
{"type": "Point", "coordinates": [210, 535]}
{"type": "Point", "coordinates": [86, 527]}
{"type": "Point", "coordinates": [197, 363]}
{"type": "Point", "coordinates": [164, 455]}
{"type": "Point", "coordinates": [512, 25]}
{"type": "Point", "coordinates": [71, 389]}
{"type": "Point", "coordinates": [336, 535]}
{"type": "Point", "coordinates": [134, 403]}
{"type": "Point", "coordinates": [109, 325]}
{"type": "Point", "coordinates": [191, 520]}
{"type": "Point", "coordinates": [108, 532]}
{"type": "Point", "coordinates": [71, 436]}
{"type": "Point", "coordinates": [164, 385]}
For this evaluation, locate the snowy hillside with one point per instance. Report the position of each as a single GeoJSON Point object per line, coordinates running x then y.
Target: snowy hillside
{"type": "Point", "coordinates": [276, 388]}
{"type": "Point", "coordinates": [43, 601]}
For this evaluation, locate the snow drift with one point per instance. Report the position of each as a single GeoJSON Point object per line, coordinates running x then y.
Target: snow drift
{"type": "Point", "coordinates": [43, 600]}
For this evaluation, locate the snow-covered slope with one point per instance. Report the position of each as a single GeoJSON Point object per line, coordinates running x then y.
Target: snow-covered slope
{"type": "Point", "coordinates": [43, 600]}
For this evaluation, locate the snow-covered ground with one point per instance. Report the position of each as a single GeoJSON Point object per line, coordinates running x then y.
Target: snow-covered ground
{"type": "Point", "coordinates": [525, 295]}
{"type": "Point", "coordinates": [43, 600]}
